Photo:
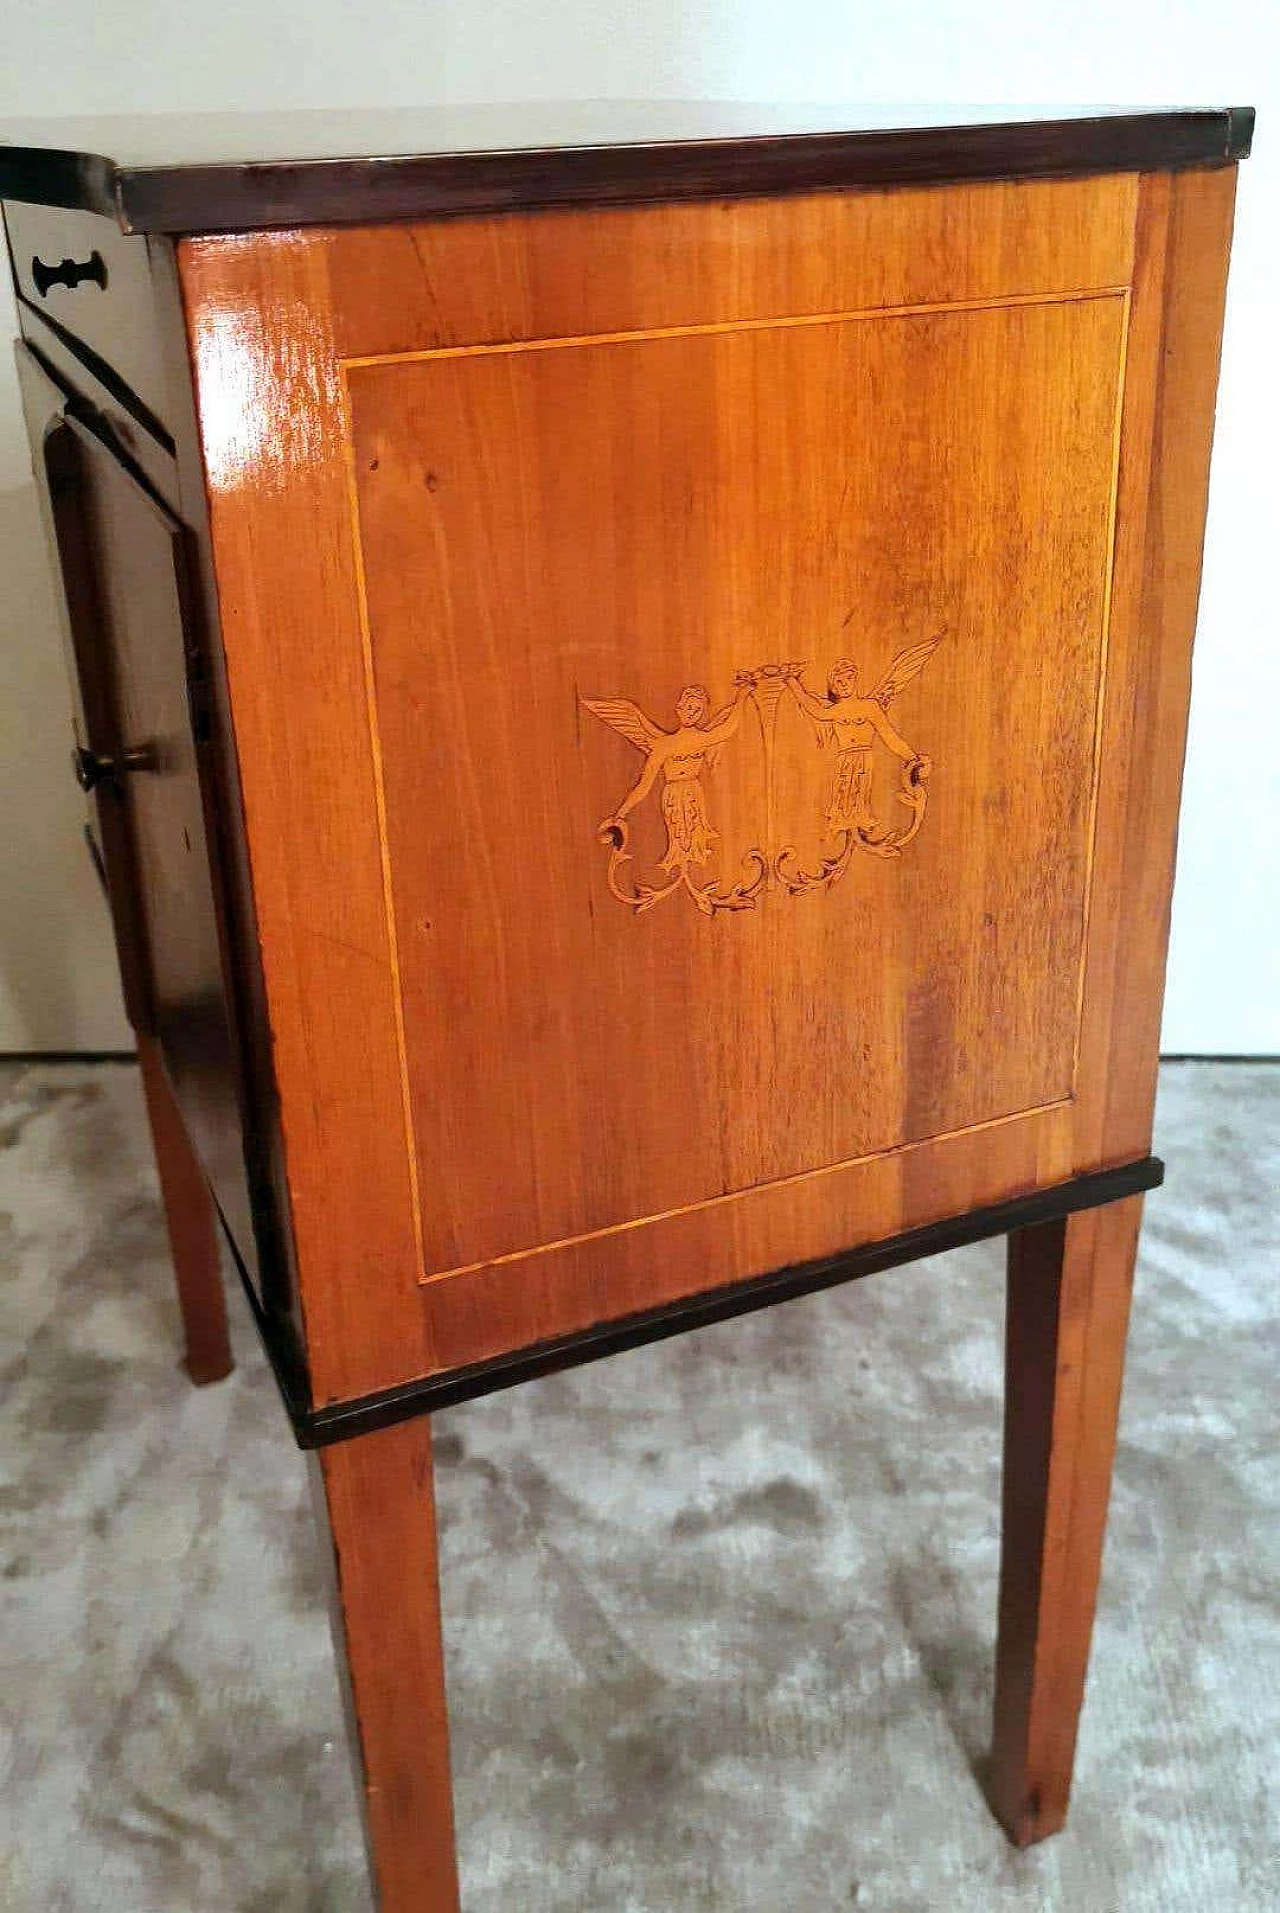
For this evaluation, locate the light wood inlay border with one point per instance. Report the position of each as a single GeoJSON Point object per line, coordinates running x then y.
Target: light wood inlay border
{"type": "Point", "coordinates": [1100, 710]}
{"type": "Point", "coordinates": [384, 841]}
{"type": "Point", "coordinates": [782, 322]}
{"type": "Point", "coordinates": [894, 1152]}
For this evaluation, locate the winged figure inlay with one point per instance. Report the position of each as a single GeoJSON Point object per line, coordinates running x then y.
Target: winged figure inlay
{"type": "Point", "coordinates": [680, 757]}
{"type": "Point", "coordinates": [847, 721]}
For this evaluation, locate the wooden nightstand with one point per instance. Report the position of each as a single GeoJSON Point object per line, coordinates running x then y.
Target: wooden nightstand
{"type": "Point", "coordinates": [633, 673]}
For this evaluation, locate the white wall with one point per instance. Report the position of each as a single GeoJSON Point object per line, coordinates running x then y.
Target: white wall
{"type": "Point", "coordinates": [75, 56]}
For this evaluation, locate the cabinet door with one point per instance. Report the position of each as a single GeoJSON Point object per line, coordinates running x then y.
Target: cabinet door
{"type": "Point", "coordinates": [137, 684]}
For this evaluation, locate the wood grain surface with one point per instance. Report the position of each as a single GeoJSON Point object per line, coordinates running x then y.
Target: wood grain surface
{"type": "Point", "coordinates": [823, 427]}
{"type": "Point", "coordinates": [604, 1065]}
{"type": "Point", "coordinates": [231, 172]}
{"type": "Point", "coordinates": [1068, 1310]}
{"type": "Point", "coordinates": [376, 1498]}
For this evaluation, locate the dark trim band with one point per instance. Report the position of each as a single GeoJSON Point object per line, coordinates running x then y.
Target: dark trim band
{"type": "Point", "coordinates": [241, 196]}
{"type": "Point", "coordinates": [341, 1421]}
{"type": "Point", "coordinates": [332, 192]}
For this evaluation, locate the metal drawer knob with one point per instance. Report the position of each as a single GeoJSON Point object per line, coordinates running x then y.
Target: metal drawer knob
{"type": "Point", "coordinates": [91, 769]}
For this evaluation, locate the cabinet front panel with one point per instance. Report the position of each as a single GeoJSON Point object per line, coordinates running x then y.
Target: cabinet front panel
{"type": "Point", "coordinates": [735, 692]}
{"type": "Point", "coordinates": [135, 674]}
{"type": "Point", "coordinates": [79, 274]}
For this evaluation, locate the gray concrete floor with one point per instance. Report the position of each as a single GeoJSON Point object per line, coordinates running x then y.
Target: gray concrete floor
{"type": "Point", "coordinates": [720, 1613]}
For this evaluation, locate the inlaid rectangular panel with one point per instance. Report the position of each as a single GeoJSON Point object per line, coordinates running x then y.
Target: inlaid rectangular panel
{"type": "Point", "coordinates": [486, 496]}
{"type": "Point", "coordinates": [734, 691]}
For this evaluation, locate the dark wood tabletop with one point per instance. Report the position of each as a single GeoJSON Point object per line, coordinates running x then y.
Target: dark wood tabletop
{"type": "Point", "coordinates": [218, 172]}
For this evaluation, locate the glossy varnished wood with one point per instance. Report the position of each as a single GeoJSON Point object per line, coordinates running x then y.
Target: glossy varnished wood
{"type": "Point", "coordinates": [591, 1052]}
{"type": "Point", "coordinates": [215, 172]}
{"type": "Point", "coordinates": [1019, 262]}
{"type": "Point", "coordinates": [571, 996]}
{"type": "Point", "coordinates": [377, 1500]}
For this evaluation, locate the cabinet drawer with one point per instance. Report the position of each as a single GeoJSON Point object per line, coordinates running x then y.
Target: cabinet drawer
{"type": "Point", "coordinates": [106, 314]}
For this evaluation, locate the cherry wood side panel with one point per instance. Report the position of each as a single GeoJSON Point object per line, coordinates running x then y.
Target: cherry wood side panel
{"type": "Point", "coordinates": [283, 327]}
{"type": "Point", "coordinates": [496, 279]}
{"type": "Point", "coordinates": [555, 539]}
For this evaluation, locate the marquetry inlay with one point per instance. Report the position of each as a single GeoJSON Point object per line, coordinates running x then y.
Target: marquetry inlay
{"type": "Point", "coordinates": [848, 723]}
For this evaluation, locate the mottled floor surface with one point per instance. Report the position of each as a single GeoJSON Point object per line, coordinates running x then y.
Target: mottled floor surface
{"type": "Point", "coordinates": [720, 1613]}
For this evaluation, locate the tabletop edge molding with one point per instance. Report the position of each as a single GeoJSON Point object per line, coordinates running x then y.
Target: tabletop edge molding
{"type": "Point", "coordinates": [242, 195]}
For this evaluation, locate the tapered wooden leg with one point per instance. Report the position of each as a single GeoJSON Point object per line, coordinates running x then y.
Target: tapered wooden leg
{"type": "Point", "coordinates": [1068, 1313]}
{"type": "Point", "coordinates": [193, 1227]}
{"type": "Point", "coordinates": [378, 1495]}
